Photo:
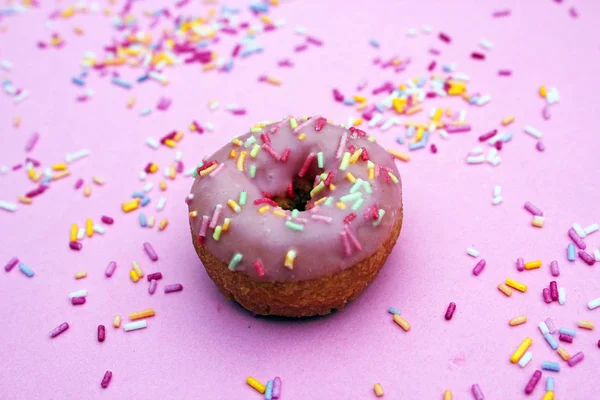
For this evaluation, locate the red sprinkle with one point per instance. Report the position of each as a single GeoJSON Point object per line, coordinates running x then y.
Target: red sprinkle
{"type": "Point", "coordinates": [337, 96]}
{"type": "Point", "coordinates": [290, 190]}
{"type": "Point", "coordinates": [265, 138]}
{"type": "Point", "coordinates": [349, 218]}
{"type": "Point", "coordinates": [320, 124]}
{"type": "Point", "coordinates": [75, 246]}
{"type": "Point", "coordinates": [499, 145]}
{"type": "Point", "coordinates": [77, 301]}
{"type": "Point", "coordinates": [329, 178]}
{"type": "Point", "coordinates": [359, 132]}
{"type": "Point", "coordinates": [431, 66]}
{"type": "Point", "coordinates": [433, 148]}
{"type": "Point", "coordinates": [477, 56]}
{"type": "Point", "coordinates": [364, 155]}
{"type": "Point", "coordinates": [286, 154]}
{"type": "Point", "coordinates": [106, 379]}
{"type": "Point", "coordinates": [259, 268]}
{"type": "Point", "coordinates": [450, 311]}
{"type": "Point", "coordinates": [200, 241]}
{"type": "Point", "coordinates": [265, 200]}
{"type": "Point", "coordinates": [445, 38]}
{"type": "Point", "coordinates": [306, 165]}
{"type": "Point", "coordinates": [101, 333]}
{"type": "Point", "coordinates": [488, 135]}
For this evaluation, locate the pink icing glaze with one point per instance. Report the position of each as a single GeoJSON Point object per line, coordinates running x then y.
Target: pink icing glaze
{"type": "Point", "coordinates": [322, 246]}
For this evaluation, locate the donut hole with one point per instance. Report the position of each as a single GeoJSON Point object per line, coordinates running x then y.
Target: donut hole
{"type": "Point", "coordinates": [301, 188]}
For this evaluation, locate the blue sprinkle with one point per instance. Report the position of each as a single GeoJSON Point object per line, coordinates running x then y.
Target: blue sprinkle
{"type": "Point", "coordinates": [143, 222]}
{"type": "Point", "coordinates": [142, 78]}
{"type": "Point", "coordinates": [507, 137]}
{"type": "Point", "coordinates": [551, 366]}
{"type": "Point", "coordinates": [26, 270]}
{"type": "Point", "coordinates": [416, 146]}
{"type": "Point", "coordinates": [138, 195]}
{"type": "Point", "coordinates": [550, 384]}
{"type": "Point", "coordinates": [393, 310]}
{"type": "Point", "coordinates": [400, 139]}
{"type": "Point", "coordinates": [269, 391]}
{"type": "Point", "coordinates": [145, 201]}
{"type": "Point", "coordinates": [551, 341]}
{"type": "Point", "coordinates": [146, 111]}
{"type": "Point", "coordinates": [259, 7]}
{"type": "Point", "coordinates": [421, 81]}
{"type": "Point", "coordinates": [78, 81]}
{"type": "Point", "coordinates": [374, 43]}
{"type": "Point", "coordinates": [349, 101]}
{"type": "Point", "coordinates": [410, 131]}
{"type": "Point", "coordinates": [121, 82]}
{"type": "Point", "coordinates": [567, 331]}
{"type": "Point", "coordinates": [380, 108]}
{"type": "Point", "coordinates": [84, 73]}
{"type": "Point", "coordinates": [229, 65]}
{"type": "Point", "coordinates": [46, 179]}
{"type": "Point", "coordinates": [203, 44]}
{"type": "Point", "coordinates": [571, 252]}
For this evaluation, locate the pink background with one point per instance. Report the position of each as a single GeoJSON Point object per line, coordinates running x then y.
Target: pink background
{"type": "Point", "coordinates": [201, 346]}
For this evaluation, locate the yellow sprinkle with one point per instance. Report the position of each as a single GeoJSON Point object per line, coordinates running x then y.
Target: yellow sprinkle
{"type": "Point", "coordinates": [172, 171]}
{"type": "Point", "coordinates": [68, 12]}
{"type": "Point", "coordinates": [317, 189]}
{"type": "Point", "coordinates": [16, 121]}
{"type": "Point", "coordinates": [31, 173]}
{"type": "Point", "coordinates": [516, 285]}
{"type": "Point", "coordinates": [266, 20]}
{"type": "Point", "coordinates": [25, 200]}
{"type": "Point", "coordinates": [217, 232]}
{"type": "Point", "coordinates": [447, 395]}
{"type": "Point", "coordinates": [89, 227]}
{"type": "Point", "coordinates": [131, 102]}
{"type": "Point", "coordinates": [564, 354]}
{"type": "Point", "coordinates": [538, 223]}
{"type": "Point", "coordinates": [59, 167]}
{"type": "Point", "coordinates": [60, 175]}
{"type": "Point", "coordinates": [134, 277]}
{"type": "Point", "coordinates": [87, 190]}
{"type": "Point", "coordinates": [414, 110]}
{"type": "Point", "coordinates": [130, 205]}
{"type": "Point", "coordinates": [240, 161]}
{"type": "Point", "coordinates": [456, 88]}
{"type": "Point", "coordinates": [80, 274]}
{"type": "Point", "coordinates": [226, 224]}
{"type": "Point", "coordinates": [516, 356]}
{"type": "Point", "coordinates": [357, 122]}
{"type": "Point", "coordinates": [321, 200]}
{"type": "Point", "coordinates": [340, 205]}
{"type": "Point", "coordinates": [208, 170]}
{"type": "Point", "coordinates": [345, 161]}
{"type": "Point", "coordinates": [359, 99]}
{"type": "Point", "coordinates": [331, 187]}
{"type": "Point", "coordinates": [254, 151]}
{"type": "Point", "coordinates": [518, 320]}
{"type": "Point", "coordinates": [142, 314]}
{"type": "Point", "coordinates": [394, 179]}
{"type": "Point", "coordinates": [508, 120]}
{"type": "Point", "coordinates": [117, 321]}
{"type": "Point", "coordinates": [400, 156]}
{"type": "Point", "coordinates": [533, 264]}
{"type": "Point", "coordinates": [280, 213]}
{"type": "Point", "coordinates": [208, 67]}
{"type": "Point", "coordinates": [150, 222]}
{"type": "Point", "coordinates": [293, 123]}
{"type": "Point", "coordinates": [399, 104]}
{"type": "Point", "coordinates": [264, 209]}
{"type": "Point", "coordinates": [354, 157]}
{"type": "Point", "coordinates": [402, 322]}
{"type": "Point", "coordinates": [505, 289]}
{"type": "Point", "coordinates": [302, 137]}
{"type": "Point", "coordinates": [543, 92]}
{"type": "Point", "coordinates": [419, 135]}
{"type": "Point", "coordinates": [371, 173]}
{"type": "Point", "coordinates": [193, 214]}
{"type": "Point", "coordinates": [256, 385]}
{"type": "Point", "coordinates": [585, 324]}
{"type": "Point", "coordinates": [361, 106]}
{"type": "Point", "coordinates": [549, 395]}
{"type": "Point", "coordinates": [378, 390]}
{"type": "Point", "coordinates": [273, 81]}
{"type": "Point", "coordinates": [350, 177]}
{"type": "Point", "coordinates": [438, 114]}
{"type": "Point", "coordinates": [169, 143]}
{"type": "Point", "coordinates": [290, 257]}
{"type": "Point", "coordinates": [138, 270]}
{"type": "Point", "coordinates": [74, 230]}
{"type": "Point", "coordinates": [237, 142]}
{"type": "Point", "coordinates": [163, 224]}
{"type": "Point", "coordinates": [235, 207]}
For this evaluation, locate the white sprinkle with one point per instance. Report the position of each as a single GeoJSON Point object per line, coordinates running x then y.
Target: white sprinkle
{"type": "Point", "coordinates": [532, 131]}
{"type": "Point", "coordinates": [89, 92]}
{"type": "Point", "coordinates": [525, 359]}
{"type": "Point", "coordinates": [492, 155]}
{"type": "Point", "coordinates": [484, 100]}
{"type": "Point", "coordinates": [461, 77]}
{"type": "Point", "coordinates": [462, 117]}
{"type": "Point", "coordinates": [231, 106]}
{"type": "Point", "coordinates": [497, 200]}
{"type": "Point", "coordinates": [476, 151]}
{"type": "Point", "coordinates": [594, 303]}
{"type": "Point", "coordinates": [543, 328]}
{"type": "Point", "coordinates": [152, 143]}
{"type": "Point", "coordinates": [590, 229]}
{"type": "Point", "coordinates": [495, 161]}
{"type": "Point", "coordinates": [300, 30]}
{"type": "Point", "coordinates": [432, 112]}
{"type": "Point", "coordinates": [375, 120]}
{"type": "Point", "coordinates": [387, 124]}
{"type": "Point", "coordinates": [70, 157]}
{"type": "Point", "coordinates": [432, 127]}
{"type": "Point", "coordinates": [539, 218]}
{"type": "Point", "coordinates": [5, 205]}
{"type": "Point", "coordinates": [350, 122]}
{"type": "Point", "coordinates": [426, 29]}
{"type": "Point", "coordinates": [148, 187]}
{"type": "Point", "coordinates": [562, 296]}
{"type": "Point", "coordinates": [6, 65]}
{"type": "Point", "coordinates": [486, 44]}
{"type": "Point", "coordinates": [132, 326]}
{"type": "Point", "coordinates": [411, 32]}
{"type": "Point", "coordinates": [189, 171]}
{"type": "Point", "coordinates": [99, 229]}
{"type": "Point", "coordinates": [209, 126]}
{"type": "Point", "coordinates": [166, 172]}
{"type": "Point", "coordinates": [475, 159]}
{"type": "Point", "coordinates": [497, 190]}
{"type": "Point", "coordinates": [142, 175]}
{"type": "Point", "coordinates": [579, 230]}
{"type": "Point", "coordinates": [3, 169]}
{"type": "Point", "coordinates": [443, 133]}
{"type": "Point", "coordinates": [495, 138]}
{"type": "Point", "coordinates": [178, 156]}
{"type": "Point", "coordinates": [146, 111]}
{"type": "Point", "coordinates": [161, 203]}
{"type": "Point", "coordinates": [150, 222]}
{"type": "Point", "coordinates": [22, 96]}
{"type": "Point", "coordinates": [552, 96]}
{"type": "Point", "coordinates": [80, 233]}
{"type": "Point", "coordinates": [597, 254]}
{"type": "Point", "coordinates": [78, 293]}
{"type": "Point", "coordinates": [158, 77]}
{"type": "Point", "coordinates": [472, 252]}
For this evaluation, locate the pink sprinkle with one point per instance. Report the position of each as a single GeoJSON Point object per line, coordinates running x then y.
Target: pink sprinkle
{"type": "Point", "coordinates": [341, 145]}
{"type": "Point", "coordinates": [265, 200]}
{"type": "Point", "coordinates": [217, 170]}
{"type": "Point", "coordinates": [554, 268]}
{"type": "Point", "coordinates": [498, 145]}
{"type": "Point", "coordinates": [565, 338]}
{"type": "Point", "coordinates": [554, 290]}
{"type": "Point", "coordinates": [320, 124]}
{"type": "Point", "coordinates": [259, 268]}
{"type": "Point", "coordinates": [477, 393]}
{"type": "Point", "coordinates": [540, 146]}
{"type": "Point", "coordinates": [504, 72]}
{"type": "Point", "coordinates": [573, 12]}
{"type": "Point", "coordinates": [35, 192]}
{"type": "Point", "coordinates": [75, 246]}
{"type": "Point", "coordinates": [546, 112]}
{"type": "Point", "coordinates": [314, 41]}
{"type": "Point", "coordinates": [215, 217]}
{"type": "Point", "coordinates": [110, 269]}
{"type": "Point", "coordinates": [576, 239]}
{"type": "Point", "coordinates": [33, 139]}
{"type": "Point", "coordinates": [204, 226]}
{"type": "Point", "coordinates": [346, 244]}
{"type": "Point", "coordinates": [479, 267]}
{"type": "Point", "coordinates": [550, 325]}
{"type": "Point", "coordinates": [329, 178]}
{"type": "Point", "coordinates": [533, 209]}
{"type": "Point", "coordinates": [321, 218]}
{"type": "Point", "coordinates": [154, 276]}
{"type": "Point", "coordinates": [152, 287]}
{"type": "Point", "coordinates": [101, 333]}
{"type": "Point", "coordinates": [278, 125]}
{"type": "Point", "coordinates": [236, 50]}
{"type": "Point", "coordinates": [285, 63]}
{"type": "Point", "coordinates": [575, 359]}
{"type": "Point", "coordinates": [433, 148]}
{"type": "Point", "coordinates": [488, 135]}
{"type": "Point", "coordinates": [587, 258]}
{"type": "Point", "coordinates": [77, 301]}
{"type": "Point", "coordinates": [435, 52]}
{"type": "Point", "coordinates": [164, 103]}
{"type": "Point", "coordinates": [450, 311]}
{"type": "Point", "coordinates": [197, 127]}
{"type": "Point", "coordinates": [306, 165]}
{"type": "Point", "coordinates": [59, 329]}
{"type": "Point", "coordinates": [286, 154]}
{"type": "Point", "coordinates": [445, 38]}
{"type": "Point", "coordinates": [337, 96]}
{"type": "Point", "coordinates": [17, 167]}
{"type": "Point", "coordinates": [431, 66]}
{"type": "Point", "coordinates": [267, 147]}
{"type": "Point", "coordinates": [107, 220]}
{"type": "Point", "coordinates": [265, 137]}
{"type": "Point", "coordinates": [177, 287]}
{"type": "Point", "coordinates": [547, 295]}
{"type": "Point", "coordinates": [458, 128]}
{"type": "Point", "coordinates": [353, 238]}
{"type": "Point", "coordinates": [303, 125]}
{"type": "Point", "coordinates": [239, 111]}
{"type": "Point", "coordinates": [78, 183]}
{"type": "Point", "coordinates": [501, 13]}
{"type": "Point", "coordinates": [300, 48]}
{"type": "Point", "coordinates": [11, 264]}
{"type": "Point", "coordinates": [535, 378]}
{"type": "Point", "coordinates": [276, 387]}
{"type": "Point", "coordinates": [150, 251]}
{"type": "Point", "coordinates": [477, 56]}
{"type": "Point", "coordinates": [106, 379]}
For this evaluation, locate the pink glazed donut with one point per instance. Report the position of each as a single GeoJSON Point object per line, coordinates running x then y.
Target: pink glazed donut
{"type": "Point", "coordinates": [296, 218]}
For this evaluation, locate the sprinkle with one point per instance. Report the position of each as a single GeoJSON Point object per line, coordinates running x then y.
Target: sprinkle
{"type": "Point", "coordinates": [533, 209]}
{"type": "Point", "coordinates": [132, 326]}
{"type": "Point", "coordinates": [130, 205]}
{"type": "Point", "coordinates": [562, 296]}
{"type": "Point", "coordinates": [586, 257]}
{"type": "Point", "coordinates": [533, 381]}
{"type": "Point", "coordinates": [594, 303]}
{"type": "Point", "coordinates": [447, 395]}
{"type": "Point", "coordinates": [591, 229]}
{"type": "Point", "coordinates": [563, 353]}
{"type": "Point", "coordinates": [107, 220]}
{"type": "Point", "coordinates": [571, 252]}
{"type": "Point", "coordinates": [518, 320]}
{"type": "Point", "coordinates": [450, 311]}
{"type": "Point", "coordinates": [176, 287]}
{"type": "Point", "coordinates": [101, 333]}
{"type": "Point", "coordinates": [80, 275]}
{"type": "Point", "coordinates": [516, 285]}
{"type": "Point", "coordinates": [532, 131]}
{"type": "Point", "coordinates": [276, 387]}
{"type": "Point", "coordinates": [77, 301]}
{"type": "Point", "coordinates": [477, 393]}
{"type": "Point", "coordinates": [107, 375]}
{"type": "Point", "coordinates": [26, 270]}
{"type": "Point", "coordinates": [394, 311]}
{"type": "Point", "coordinates": [306, 165]}
{"type": "Point", "coordinates": [256, 385]}
{"type": "Point", "coordinates": [152, 286]}
{"type": "Point", "coordinates": [516, 356]}
{"type": "Point", "coordinates": [59, 329]}
{"type": "Point", "coordinates": [345, 161]}
{"type": "Point", "coordinates": [378, 390]}
{"type": "Point", "coordinates": [479, 267]}
{"type": "Point", "coordinates": [402, 322]}
{"type": "Point", "coordinates": [142, 314]}
{"type": "Point", "coordinates": [575, 359]}
{"type": "Point", "coordinates": [117, 321]}
{"type": "Point", "coordinates": [294, 226]}
{"type": "Point", "coordinates": [550, 325]}
{"type": "Point", "coordinates": [5, 205]}
{"type": "Point", "coordinates": [235, 260]}
{"type": "Point", "coordinates": [290, 257]}
{"type": "Point", "coordinates": [163, 224]}
{"type": "Point", "coordinates": [551, 341]}
{"type": "Point", "coordinates": [505, 289]}
{"type": "Point", "coordinates": [533, 264]}
{"type": "Point", "coordinates": [215, 217]}
{"type": "Point", "coordinates": [341, 146]}
{"type": "Point", "coordinates": [472, 252]}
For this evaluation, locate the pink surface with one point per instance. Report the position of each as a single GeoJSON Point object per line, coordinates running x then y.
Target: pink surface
{"type": "Point", "coordinates": [201, 346]}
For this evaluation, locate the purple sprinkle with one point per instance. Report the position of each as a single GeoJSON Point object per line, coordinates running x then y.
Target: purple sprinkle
{"type": "Point", "coordinates": [79, 183]}
{"type": "Point", "coordinates": [533, 209]}
{"type": "Point", "coordinates": [101, 333]}
{"type": "Point", "coordinates": [504, 72]}
{"type": "Point", "coordinates": [337, 95]}
{"type": "Point", "coordinates": [59, 329]}
{"type": "Point", "coordinates": [546, 295]}
{"type": "Point", "coordinates": [300, 48]}
{"type": "Point", "coordinates": [435, 52]}
{"type": "Point", "coordinates": [276, 387]}
{"type": "Point", "coordinates": [315, 41]}
{"type": "Point", "coordinates": [17, 167]}
{"type": "Point", "coordinates": [477, 393]}
{"type": "Point", "coordinates": [577, 240]}
{"type": "Point", "coordinates": [75, 246]}
{"type": "Point", "coordinates": [535, 378]}
{"type": "Point", "coordinates": [177, 287]}
{"type": "Point", "coordinates": [501, 13]}
{"type": "Point", "coordinates": [563, 337]}
{"type": "Point", "coordinates": [164, 103]}
{"type": "Point", "coordinates": [520, 264]}
{"type": "Point", "coordinates": [33, 139]}
{"type": "Point", "coordinates": [546, 112]}
{"type": "Point", "coordinates": [110, 269]}
{"type": "Point", "coordinates": [554, 290]}
{"type": "Point", "coordinates": [450, 311]}
{"type": "Point", "coordinates": [575, 359]}
{"type": "Point", "coordinates": [107, 220]}
{"type": "Point", "coordinates": [35, 162]}
{"type": "Point", "coordinates": [573, 12]}
{"type": "Point", "coordinates": [488, 135]}
{"type": "Point", "coordinates": [239, 111]}
{"type": "Point", "coordinates": [540, 146]}
{"type": "Point", "coordinates": [106, 379]}
{"type": "Point", "coordinates": [431, 66]}
{"type": "Point", "coordinates": [554, 268]}
{"type": "Point", "coordinates": [11, 264]}
{"type": "Point", "coordinates": [479, 267]}
{"type": "Point", "coordinates": [152, 287]}
{"type": "Point", "coordinates": [586, 257]}
{"type": "Point", "coordinates": [35, 192]}
{"type": "Point", "coordinates": [77, 301]}
{"type": "Point", "coordinates": [444, 38]}
{"type": "Point", "coordinates": [550, 325]}
{"type": "Point", "coordinates": [457, 128]}
{"type": "Point", "coordinates": [150, 251]}
{"type": "Point", "coordinates": [154, 276]}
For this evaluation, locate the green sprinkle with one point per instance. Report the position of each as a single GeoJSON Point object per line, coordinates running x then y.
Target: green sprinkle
{"type": "Point", "coordinates": [195, 174]}
{"type": "Point", "coordinates": [372, 139]}
{"type": "Point", "coordinates": [320, 162]}
{"type": "Point", "coordinates": [217, 233]}
{"type": "Point", "coordinates": [356, 186]}
{"type": "Point", "coordinates": [252, 171]}
{"type": "Point", "coordinates": [370, 164]}
{"type": "Point", "coordinates": [235, 260]}
{"type": "Point", "coordinates": [357, 204]}
{"type": "Point", "coordinates": [394, 179]}
{"type": "Point", "coordinates": [243, 197]}
{"type": "Point", "coordinates": [351, 197]}
{"type": "Point", "coordinates": [323, 176]}
{"type": "Point", "coordinates": [317, 189]}
{"type": "Point", "coordinates": [256, 129]}
{"type": "Point", "coordinates": [254, 151]}
{"type": "Point", "coordinates": [294, 226]}
{"type": "Point", "coordinates": [367, 186]}
{"type": "Point", "coordinates": [250, 141]}
{"type": "Point", "coordinates": [381, 213]}
{"type": "Point", "coordinates": [295, 213]}
{"type": "Point", "coordinates": [329, 201]}
{"type": "Point", "coordinates": [345, 161]}
{"type": "Point", "coordinates": [293, 123]}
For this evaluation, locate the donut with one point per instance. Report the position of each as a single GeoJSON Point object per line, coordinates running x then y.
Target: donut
{"type": "Point", "coordinates": [296, 218]}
